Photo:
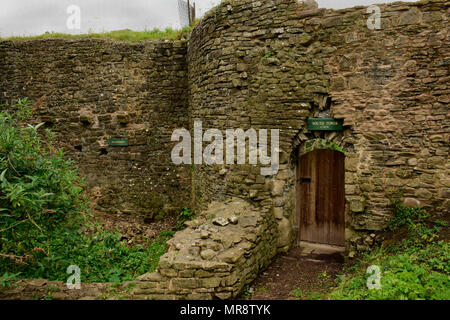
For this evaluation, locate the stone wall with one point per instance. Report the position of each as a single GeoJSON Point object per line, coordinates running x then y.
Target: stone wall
{"type": "Point", "coordinates": [220, 253]}
{"type": "Point", "coordinates": [273, 64]}
{"type": "Point", "coordinates": [96, 90]}
{"type": "Point", "coordinates": [267, 64]}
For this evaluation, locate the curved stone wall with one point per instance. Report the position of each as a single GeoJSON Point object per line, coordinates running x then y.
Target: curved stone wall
{"type": "Point", "coordinates": [271, 65]}
{"type": "Point", "coordinates": [97, 89]}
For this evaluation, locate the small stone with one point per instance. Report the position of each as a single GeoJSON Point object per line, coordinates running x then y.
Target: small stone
{"type": "Point", "coordinates": [208, 254]}
{"type": "Point", "coordinates": [412, 162]}
{"type": "Point", "coordinates": [219, 221]}
{"type": "Point", "coordinates": [412, 16]}
{"type": "Point", "coordinates": [368, 241]}
{"type": "Point", "coordinates": [279, 202]}
{"type": "Point", "coordinates": [356, 206]}
{"type": "Point", "coordinates": [204, 234]}
{"type": "Point", "coordinates": [278, 212]}
{"type": "Point", "coordinates": [355, 240]}
{"type": "Point", "coordinates": [38, 282]}
{"type": "Point", "coordinates": [411, 203]}
{"type": "Point", "coordinates": [423, 194]}
{"type": "Point", "coordinates": [309, 4]}
{"type": "Point", "coordinates": [361, 247]}
{"type": "Point", "coordinates": [248, 221]}
{"type": "Point", "coordinates": [233, 219]}
{"type": "Point", "coordinates": [86, 119]}
{"type": "Point", "coordinates": [60, 296]}
{"type": "Point", "coordinates": [123, 118]}
{"type": "Point", "coordinates": [277, 188]}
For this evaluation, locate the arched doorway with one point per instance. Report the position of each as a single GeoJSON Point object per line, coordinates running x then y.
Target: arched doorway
{"type": "Point", "coordinates": [321, 197]}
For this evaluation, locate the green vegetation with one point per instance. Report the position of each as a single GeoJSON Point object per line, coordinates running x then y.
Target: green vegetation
{"type": "Point", "coordinates": [44, 227]}
{"type": "Point", "coordinates": [298, 294]}
{"type": "Point", "coordinates": [122, 35]}
{"type": "Point", "coordinates": [317, 144]}
{"type": "Point", "coordinates": [268, 55]}
{"type": "Point", "coordinates": [415, 268]}
{"type": "Point", "coordinates": [185, 215]}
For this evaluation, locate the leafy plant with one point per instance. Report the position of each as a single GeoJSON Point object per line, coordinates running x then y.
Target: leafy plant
{"type": "Point", "coordinates": [297, 293]}
{"type": "Point", "coordinates": [7, 278]}
{"type": "Point", "coordinates": [44, 223]}
{"type": "Point", "coordinates": [405, 275]}
{"type": "Point", "coordinates": [406, 216]}
{"type": "Point", "coordinates": [39, 189]}
{"type": "Point", "coordinates": [185, 215]}
{"type": "Point", "coordinates": [318, 144]}
{"type": "Point", "coordinates": [416, 268]}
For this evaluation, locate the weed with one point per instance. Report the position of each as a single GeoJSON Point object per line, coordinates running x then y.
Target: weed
{"type": "Point", "coordinates": [7, 278]}
{"type": "Point", "coordinates": [297, 293]}
{"type": "Point", "coordinates": [185, 215]}
{"type": "Point", "coordinates": [416, 268]}
{"type": "Point", "coordinates": [406, 216]}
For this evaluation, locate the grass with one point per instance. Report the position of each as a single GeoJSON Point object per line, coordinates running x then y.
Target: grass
{"type": "Point", "coordinates": [120, 35]}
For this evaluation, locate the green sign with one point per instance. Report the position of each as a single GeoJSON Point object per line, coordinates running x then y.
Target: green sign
{"type": "Point", "coordinates": [114, 142]}
{"type": "Point", "coordinates": [325, 124]}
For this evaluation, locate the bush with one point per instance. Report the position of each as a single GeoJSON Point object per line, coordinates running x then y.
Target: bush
{"type": "Point", "coordinates": [39, 189]}
{"type": "Point", "coordinates": [44, 224]}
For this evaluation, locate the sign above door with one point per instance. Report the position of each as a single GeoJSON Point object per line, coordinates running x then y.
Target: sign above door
{"type": "Point", "coordinates": [325, 124]}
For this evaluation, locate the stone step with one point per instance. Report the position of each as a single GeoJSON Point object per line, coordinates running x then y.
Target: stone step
{"type": "Point", "coordinates": [319, 251]}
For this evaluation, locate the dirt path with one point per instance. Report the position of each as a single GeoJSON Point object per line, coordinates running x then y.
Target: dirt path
{"type": "Point", "coordinates": [295, 276]}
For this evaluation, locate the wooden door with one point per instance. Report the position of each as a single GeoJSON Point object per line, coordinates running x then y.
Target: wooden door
{"type": "Point", "coordinates": [321, 196]}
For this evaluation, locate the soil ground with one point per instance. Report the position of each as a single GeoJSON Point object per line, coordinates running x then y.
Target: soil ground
{"type": "Point", "coordinates": [134, 229]}
{"type": "Point", "coordinates": [294, 276]}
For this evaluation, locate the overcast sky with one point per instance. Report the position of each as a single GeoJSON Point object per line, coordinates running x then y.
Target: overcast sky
{"type": "Point", "coordinates": [33, 17]}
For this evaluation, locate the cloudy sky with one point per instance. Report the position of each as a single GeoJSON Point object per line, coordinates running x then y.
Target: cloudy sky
{"type": "Point", "coordinates": [33, 17]}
